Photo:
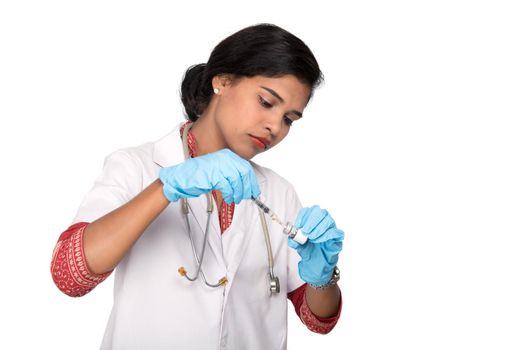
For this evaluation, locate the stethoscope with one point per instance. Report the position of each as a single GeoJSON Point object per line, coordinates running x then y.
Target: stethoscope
{"type": "Point", "coordinates": [274, 283]}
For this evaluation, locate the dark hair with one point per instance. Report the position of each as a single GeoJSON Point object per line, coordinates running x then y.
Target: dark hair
{"type": "Point", "coordinates": [263, 49]}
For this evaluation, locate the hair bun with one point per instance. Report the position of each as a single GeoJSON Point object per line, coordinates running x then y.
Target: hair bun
{"type": "Point", "coordinates": [194, 92]}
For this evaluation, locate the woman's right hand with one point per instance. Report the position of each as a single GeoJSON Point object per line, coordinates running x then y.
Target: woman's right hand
{"type": "Point", "coordinates": [222, 170]}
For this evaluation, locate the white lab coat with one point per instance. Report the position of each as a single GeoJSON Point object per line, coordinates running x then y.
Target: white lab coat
{"type": "Point", "coordinates": [154, 307]}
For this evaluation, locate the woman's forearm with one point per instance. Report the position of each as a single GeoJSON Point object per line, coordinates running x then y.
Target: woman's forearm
{"type": "Point", "coordinates": [323, 302]}
{"type": "Point", "coordinates": [108, 239]}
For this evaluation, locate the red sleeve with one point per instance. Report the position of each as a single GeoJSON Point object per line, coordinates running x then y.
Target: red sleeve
{"type": "Point", "coordinates": [69, 267]}
{"type": "Point", "coordinates": [322, 325]}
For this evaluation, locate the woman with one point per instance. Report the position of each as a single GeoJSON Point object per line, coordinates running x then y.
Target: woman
{"type": "Point", "coordinates": [185, 276]}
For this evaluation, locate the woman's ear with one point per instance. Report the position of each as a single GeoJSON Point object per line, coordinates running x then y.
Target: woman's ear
{"type": "Point", "coordinates": [221, 81]}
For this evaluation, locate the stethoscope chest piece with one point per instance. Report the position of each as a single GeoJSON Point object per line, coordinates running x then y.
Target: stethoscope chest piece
{"type": "Point", "coordinates": [274, 284]}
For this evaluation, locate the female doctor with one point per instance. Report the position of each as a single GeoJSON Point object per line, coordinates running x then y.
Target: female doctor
{"type": "Point", "coordinates": [198, 264]}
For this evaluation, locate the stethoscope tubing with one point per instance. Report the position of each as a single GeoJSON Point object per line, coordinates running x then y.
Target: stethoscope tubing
{"type": "Point", "coordinates": [274, 283]}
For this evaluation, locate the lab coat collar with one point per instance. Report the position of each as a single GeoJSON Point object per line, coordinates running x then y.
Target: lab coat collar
{"type": "Point", "coordinates": [168, 151]}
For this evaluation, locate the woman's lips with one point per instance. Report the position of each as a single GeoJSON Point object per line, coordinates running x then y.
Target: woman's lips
{"type": "Point", "coordinates": [259, 142]}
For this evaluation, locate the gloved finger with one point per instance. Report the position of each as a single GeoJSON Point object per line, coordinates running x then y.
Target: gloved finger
{"type": "Point", "coordinates": [332, 234]}
{"type": "Point", "coordinates": [246, 185]}
{"type": "Point", "coordinates": [246, 190]}
{"type": "Point", "coordinates": [225, 188]}
{"type": "Point", "coordinates": [251, 180]}
{"type": "Point", "coordinates": [192, 187]}
{"type": "Point", "coordinates": [301, 218]}
{"type": "Point", "coordinates": [292, 243]}
{"type": "Point", "coordinates": [309, 218]}
{"type": "Point", "coordinates": [324, 225]}
{"type": "Point", "coordinates": [251, 188]}
{"type": "Point", "coordinates": [233, 169]}
{"type": "Point", "coordinates": [235, 181]}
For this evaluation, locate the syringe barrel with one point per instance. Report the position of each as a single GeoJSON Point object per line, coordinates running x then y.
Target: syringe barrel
{"type": "Point", "coordinates": [261, 205]}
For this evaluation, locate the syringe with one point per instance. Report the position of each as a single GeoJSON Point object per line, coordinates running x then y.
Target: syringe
{"type": "Point", "coordinates": [288, 228]}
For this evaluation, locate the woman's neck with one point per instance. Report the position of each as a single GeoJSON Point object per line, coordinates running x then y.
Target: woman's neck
{"type": "Point", "coordinates": [206, 135]}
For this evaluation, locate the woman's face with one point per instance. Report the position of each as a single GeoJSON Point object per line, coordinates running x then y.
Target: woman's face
{"type": "Point", "coordinates": [255, 114]}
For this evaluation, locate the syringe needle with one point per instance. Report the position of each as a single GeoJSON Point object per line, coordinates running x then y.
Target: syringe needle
{"type": "Point", "coordinates": [288, 228]}
{"type": "Point", "coordinates": [275, 218]}
{"type": "Point", "coordinates": [268, 211]}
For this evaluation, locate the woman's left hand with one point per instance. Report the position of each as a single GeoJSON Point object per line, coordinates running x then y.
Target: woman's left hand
{"type": "Point", "coordinates": [320, 253]}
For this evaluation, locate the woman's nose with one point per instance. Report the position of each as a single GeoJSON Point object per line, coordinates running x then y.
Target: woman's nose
{"type": "Point", "coordinates": [273, 123]}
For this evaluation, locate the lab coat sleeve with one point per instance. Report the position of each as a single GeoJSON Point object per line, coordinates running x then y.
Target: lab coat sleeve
{"type": "Point", "coordinates": [69, 268]}
{"type": "Point", "coordinates": [119, 181]}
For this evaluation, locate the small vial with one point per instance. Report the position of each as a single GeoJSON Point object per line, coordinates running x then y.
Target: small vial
{"type": "Point", "coordinates": [288, 228]}
{"type": "Point", "coordinates": [295, 233]}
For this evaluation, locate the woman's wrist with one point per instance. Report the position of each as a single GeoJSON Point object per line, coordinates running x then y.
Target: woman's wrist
{"type": "Point", "coordinates": [334, 279]}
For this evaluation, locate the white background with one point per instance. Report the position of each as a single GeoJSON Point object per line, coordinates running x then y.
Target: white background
{"type": "Point", "coordinates": [414, 144]}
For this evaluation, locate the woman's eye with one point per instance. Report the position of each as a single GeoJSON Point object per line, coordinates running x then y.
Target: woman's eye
{"type": "Point", "coordinates": [288, 121]}
{"type": "Point", "coordinates": [264, 103]}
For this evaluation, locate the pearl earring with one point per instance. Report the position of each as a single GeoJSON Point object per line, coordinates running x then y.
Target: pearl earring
{"type": "Point", "coordinates": [216, 91]}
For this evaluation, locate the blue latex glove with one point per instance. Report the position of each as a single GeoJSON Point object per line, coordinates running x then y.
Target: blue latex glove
{"type": "Point", "coordinates": [222, 170]}
{"type": "Point", "coordinates": [320, 253]}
